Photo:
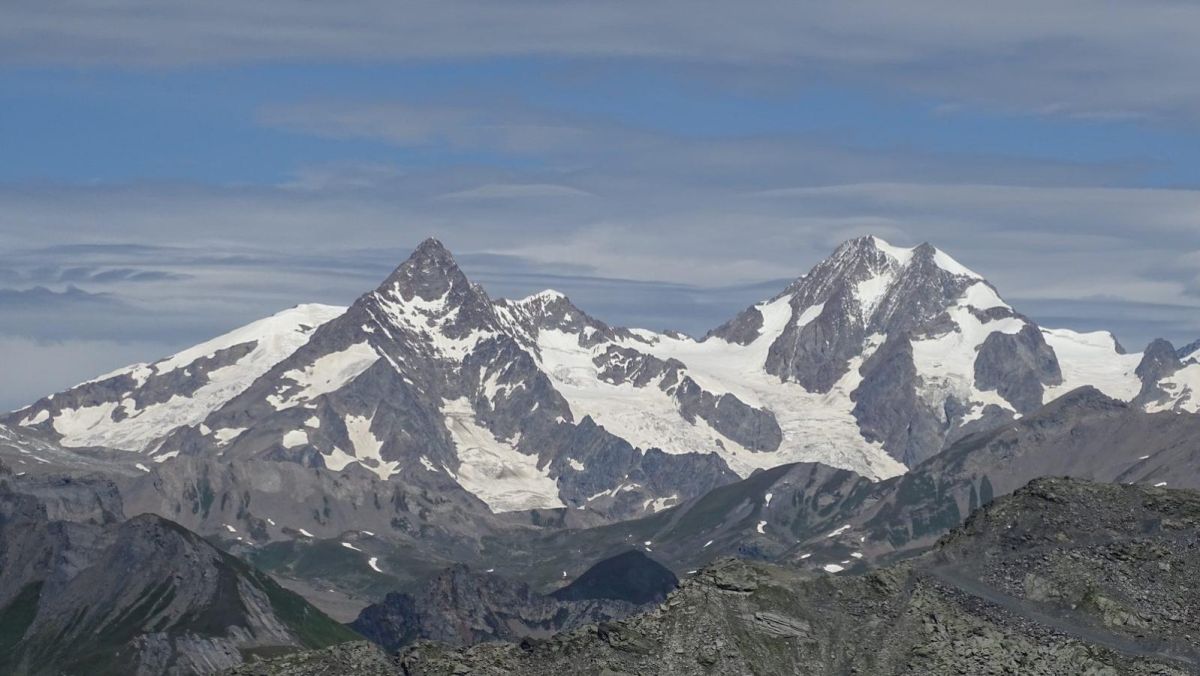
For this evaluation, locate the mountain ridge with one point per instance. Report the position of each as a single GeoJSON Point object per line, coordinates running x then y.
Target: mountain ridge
{"type": "Point", "coordinates": [879, 357]}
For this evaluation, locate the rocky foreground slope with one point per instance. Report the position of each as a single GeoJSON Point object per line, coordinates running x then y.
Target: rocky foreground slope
{"type": "Point", "coordinates": [85, 591]}
{"type": "Point", "coordinates": [1062, 577]}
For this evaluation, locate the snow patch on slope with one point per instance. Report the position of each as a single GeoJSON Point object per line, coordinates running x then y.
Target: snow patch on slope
{"type": "Point", "coordinates": [368, 447]}
{"type": "Point", "coordinates": [495, 471]}
{"type": "Point", "coordinates": [946, 363]}
{"type": "Point", "coordinates": [1092, 359]}
{"type": "Point", "coordinates": [1183, 387]}
{"type": "Point", "coordinates": [327, 374]}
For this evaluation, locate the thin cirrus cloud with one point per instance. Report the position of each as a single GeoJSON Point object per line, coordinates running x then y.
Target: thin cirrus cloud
{"type": "Point", "coordinates": [1117, 60]}
{"type": "Point", "coordinates": [514, 191]}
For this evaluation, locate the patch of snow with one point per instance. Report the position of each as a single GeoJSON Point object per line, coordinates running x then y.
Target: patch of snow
{"type": "Point", "coordinates": [367, 446]}
{"type": "Point", "coordinates": [761, 528]}
{"type": "Point", "coordinates": [1160, 484]}
{"type": "Point", "coordinates": [86, 425]}
{"type": "Point", "coordinates": [832, 568]}
{"type": "Point", "coordinates": [327, 374]}
{"type": "Point", "coordinates": [337, 459]}
{"type": "Point", "coordinates": [576, 465]}
{"type": "Point", "coordinates": [804, 556]}
{"type": "Point", "coordinates": [1092, 359]}
{"type": "Point", "coordinates": [425, 462]}
{"type": "Point", "coordinates": [871, 291]}
{"type": "Point", "coordinates": [546, 296]}
{"type": "Point", "coordinates": [658, 504]}
{"type": "Point", "coordinates": [706, 544]}
{"type": "Point", "coordinates": [305, 533]}
{"type": "Point", "coordinates": [224, 436]}
{"type": "Point", "coordinates": [229, 528]}
{"type": "Point", "coordinates": [165, 456]}
{"type": "Point", "coordinates": [142, 467]}
{"type": "Point", "coordinates": [1183, 390]}
{"type": "Point", "coordinates": [270, 521]}
{"type": "Point", "coordinates": [313, 422]}
{"type": "Point", "coordinates": [494, 470]}
{"type": "Point", "coordinates": [857, 555]}
{"type": "Point", "coordinates": [1143, 457]}
{"type": "Point", "coordinates": [982, 296]}
{"type": "Point", "coordinates": [902, 255]}
{"type": "Point", "coordinates": [36, 419]}
{"type": "Point", "coordinates": [347, 545]}
{"type": "Point", "coordinates": [838, 531]}
{"type": "Point", "coordinates": [295, 438]}
{"type": "Point", "coordinates": [767, 499]}
{"type": "Point", "coordinates": [945, 262]}
{"type": "Point", "coordinates": [373, 562]}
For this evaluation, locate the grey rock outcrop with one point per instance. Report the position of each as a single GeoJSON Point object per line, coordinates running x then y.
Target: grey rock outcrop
{"type": "Point", "coordinates": [1115, 558]}
{"type": "Point", "coordinates": [1159, 361]}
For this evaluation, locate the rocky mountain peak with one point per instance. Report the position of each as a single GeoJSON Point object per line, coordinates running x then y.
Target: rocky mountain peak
{"type": "Point", "coordinates": [1159, 359]}
{"type": "Point", "coordinates": [429, 273]}
{"type": "Point", "coordinates": [551, 310]}
{"type": "Point", "coordinates": [430, 292]}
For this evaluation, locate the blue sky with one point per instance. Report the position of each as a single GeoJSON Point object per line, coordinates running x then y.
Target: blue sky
{"type": "Point", "coordinates": [174, 169]}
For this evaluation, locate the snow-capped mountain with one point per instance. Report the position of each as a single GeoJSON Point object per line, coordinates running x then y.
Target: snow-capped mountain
{"type": "Point", "coordinates": [873, 361]}
{"type": "Point", "coordinates": [135, 407]}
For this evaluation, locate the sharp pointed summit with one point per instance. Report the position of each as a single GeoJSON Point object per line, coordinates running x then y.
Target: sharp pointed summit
{"type": "Point", "coordinates": [430, 272]}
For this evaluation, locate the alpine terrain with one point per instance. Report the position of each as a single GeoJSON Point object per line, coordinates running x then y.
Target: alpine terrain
{"type": "Point", "coordinates": [847, 477]}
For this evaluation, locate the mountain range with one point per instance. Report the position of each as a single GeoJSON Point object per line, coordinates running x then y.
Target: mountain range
{"type": "Point", "coordinates": [433, 463]}
{"type": "Point", "coordinates": [877, 359]}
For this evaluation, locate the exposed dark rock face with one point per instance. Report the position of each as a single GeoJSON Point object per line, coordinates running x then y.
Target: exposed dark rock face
{"type": "Point", "coordinates": [742, 329]}
{"type": "Point", "coordinates": [627, 365]}
{"type": "Point", "coordinates": [84, 591]}
{"type": "Point", "coordinates": [890, 410]}
{"type": "Point", "coordinates": [1064, 577]}
{"type": "Point", "coordinates": [1017, 366]}
{"type": "Point", "coordinates": [461, 607]}
{"type": "Point", "coordinates": [1159, 361]}
{"type": "Point", "coordinates": [754, 428]}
